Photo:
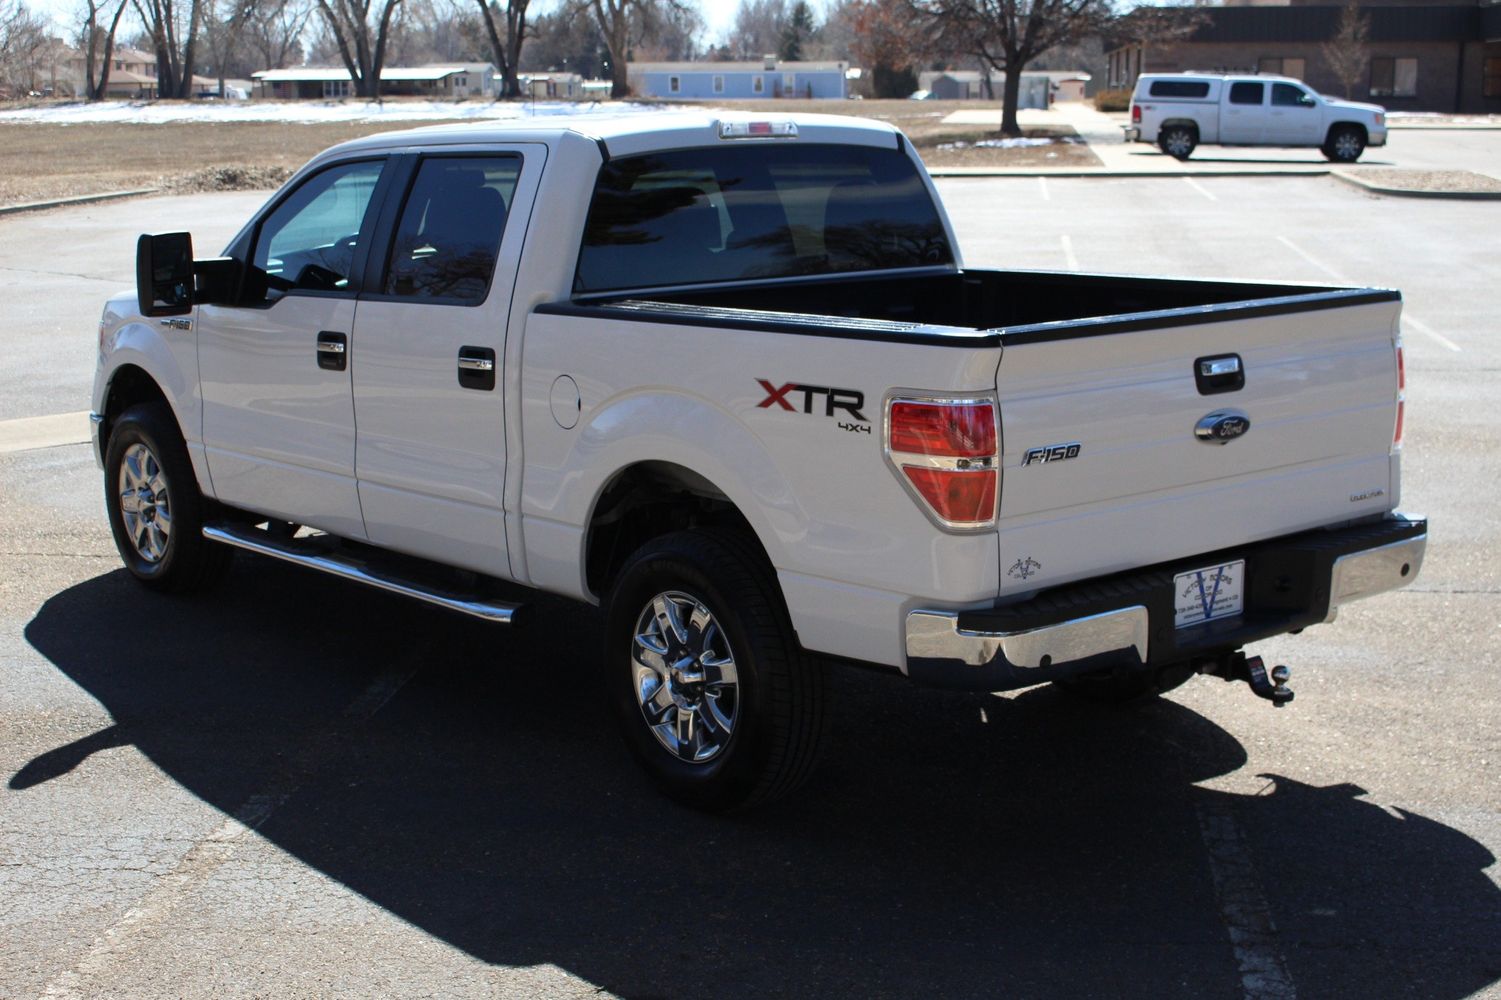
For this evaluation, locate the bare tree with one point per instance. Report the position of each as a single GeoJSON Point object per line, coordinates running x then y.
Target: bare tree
{"type": "Point", "coordinates": [225, 23]}
{"type": "Point", "coordinates": [275, 31]}
{"type": "Point", "coordinates": [758, 28]}
{"type": "Point", "coordinates": [1008, 34]}
{"type": "Point", "coordinates": [1347, 53]}
{"type": "Point", "coordinates": [97, 43]}
{"type": "Point", "coordinates": [361, 30]}
{"type": "Point", "coordinates": [506, 48]}
{"type": "Point", "coordinates": [621, 22]}
{"type": "Point", "coordinates": [173, 27]}
{"type": "Point", "coordinates": [23, 40]}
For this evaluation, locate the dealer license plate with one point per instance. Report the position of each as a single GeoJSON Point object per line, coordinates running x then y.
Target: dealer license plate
{"type": "Point", "coordinates": [1203, 595]}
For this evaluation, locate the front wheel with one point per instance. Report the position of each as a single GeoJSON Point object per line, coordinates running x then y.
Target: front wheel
{"type": "Point", "coordinates": [1344, 145]}
{"type": "Point", "coordinates": [712, 692]}
{"type": "Point", "coordinates": [1178, 141]}
{"type": "Point", "coordinates": [156, 513]}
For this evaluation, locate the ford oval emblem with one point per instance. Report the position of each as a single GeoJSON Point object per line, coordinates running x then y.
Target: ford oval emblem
{"type": "Point", "coordinates": [1222, 426]}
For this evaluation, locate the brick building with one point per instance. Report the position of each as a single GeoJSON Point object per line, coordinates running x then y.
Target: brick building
{"type": "Point", "coordinates": [1439, 56]}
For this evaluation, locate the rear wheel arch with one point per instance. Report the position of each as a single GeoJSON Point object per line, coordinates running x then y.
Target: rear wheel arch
{"type": "Point", "coordinates": [646, 500]}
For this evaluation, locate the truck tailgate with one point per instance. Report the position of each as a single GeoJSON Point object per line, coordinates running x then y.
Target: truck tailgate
{"type": "Point", "coordinates": [1319, 401]}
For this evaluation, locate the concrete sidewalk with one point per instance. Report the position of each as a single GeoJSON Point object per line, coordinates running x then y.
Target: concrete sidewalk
{"type": "Point", "coordinates": [1102, 131]}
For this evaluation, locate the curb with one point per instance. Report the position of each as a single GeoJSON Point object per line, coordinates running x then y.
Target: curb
{"type": "Point", "coordinates": [82, 199]}
{"type": "Point", "coordinates": [1104, 172]}
{"type": "Point", "coordinates": [1354, 181]}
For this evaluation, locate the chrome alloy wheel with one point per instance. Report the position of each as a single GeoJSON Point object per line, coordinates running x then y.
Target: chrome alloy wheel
{"type": "Point", "coordinates": [1347, 146]}
{"type": "Point", "coordinates": [145, 506]}
{"type": "Point", "coordinates": [1178, 143]}
{"type": "Point", "coordinates": [684, 677]}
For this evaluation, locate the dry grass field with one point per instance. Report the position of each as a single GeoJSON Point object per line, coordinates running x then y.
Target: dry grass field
{"type": "Point", "coordinates": [45, 161]}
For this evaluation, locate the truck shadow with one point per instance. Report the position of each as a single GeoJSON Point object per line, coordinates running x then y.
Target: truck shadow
{"type": "Point", "coordinates": [951, 845]}
{"type": "Point", "coordinates": [1315, 159]}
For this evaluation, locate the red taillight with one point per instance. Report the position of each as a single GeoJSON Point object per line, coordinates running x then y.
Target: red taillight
{"type": "Point", "coordinates": [960, 497]}
{"type": "Point", "coordinates": [954, 430]}
{"type": "Point", "coordinates": [1401, 397]}
{"type": "Point", "coordinates": [1136, 114]}
{"type": "Point", "coordinates": [946, 451]}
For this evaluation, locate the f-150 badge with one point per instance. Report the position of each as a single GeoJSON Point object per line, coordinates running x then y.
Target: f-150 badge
{"type": "Point", "coordinates": [1051, 453]}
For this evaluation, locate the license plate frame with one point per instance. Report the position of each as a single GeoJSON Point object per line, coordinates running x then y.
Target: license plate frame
{"type": "Point", "coordinates": [1209, 594]}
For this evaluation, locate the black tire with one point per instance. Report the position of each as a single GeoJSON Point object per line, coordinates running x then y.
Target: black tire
{"type": "Point", "coordinates": [1178, 141]}
{"type": "Point", "coordinates": [179, 559]}
{"type": "Point", "coordinates": [1112, 688]}
{"type": "Point", "coordinates": [1344, 145]}
{"type": "Point", "coordinates": [776, 705]}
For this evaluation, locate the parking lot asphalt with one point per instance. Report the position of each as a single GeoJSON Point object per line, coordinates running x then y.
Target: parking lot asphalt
{"type": "Point", "coordinates": [298, 787]}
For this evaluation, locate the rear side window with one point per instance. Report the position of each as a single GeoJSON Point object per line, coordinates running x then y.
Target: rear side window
{"type": "Point", "coordinates": [1179, 88]}
{"type": "Point", "coordinates": [1246, 93]}
{"type": "Point", "coordinates": [450, 228]}
{"type": "Point", "coordinates": [756, 211]}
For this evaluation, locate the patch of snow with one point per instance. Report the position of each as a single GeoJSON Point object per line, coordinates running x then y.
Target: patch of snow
{"type": "Point", "coordinates": [307, 112]}
{"type": "Point", "coordinates": [1013, 143]}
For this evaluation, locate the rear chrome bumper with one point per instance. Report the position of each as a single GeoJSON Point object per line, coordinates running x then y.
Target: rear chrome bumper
{"type": "Point", "coordinates": [1126, 621]}
{"type": "Point", "coordinates": [1132, 134]}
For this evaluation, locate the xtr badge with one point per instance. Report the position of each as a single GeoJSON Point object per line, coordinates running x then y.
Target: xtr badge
{"type": "Point", "coordinates": [848, 400]}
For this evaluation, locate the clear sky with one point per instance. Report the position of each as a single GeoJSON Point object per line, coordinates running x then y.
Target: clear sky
{"type": "Point", "coordinates": [718, 14]}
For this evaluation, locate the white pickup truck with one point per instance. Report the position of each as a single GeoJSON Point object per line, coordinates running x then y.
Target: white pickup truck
{"type": "Point", "coordinates": [728, 377]}
{"type": "Point", "coordinates": [1181, 111]}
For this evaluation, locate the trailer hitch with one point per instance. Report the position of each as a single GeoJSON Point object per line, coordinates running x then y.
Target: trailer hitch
{"type": "Point", "coordinates": [1271, 685]}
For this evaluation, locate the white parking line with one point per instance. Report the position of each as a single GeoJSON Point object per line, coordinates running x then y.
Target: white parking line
{"type": "Point", "coordinates": [1410, 320]}
{"type": "Point", "coordinates": [26, 433]}
{"type": "Point", "coordinates": [1068, 253]}
{"type": "Point", "coordinates": [1243, 906]}
{"type": "Point", "coordinates": [1200, 188]}
{"type": "Point", "coordinates": [1315, 261]}
{"type": "Point", "coordinates": [1407, 318]}
{"type": "Point", "coordinates": [1042, 184]}
{"type": "Point", "coordinates": [208, 855]}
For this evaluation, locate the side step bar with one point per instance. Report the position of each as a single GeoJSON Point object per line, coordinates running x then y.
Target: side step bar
{"type": "Point", "coordinates": [347, 568]}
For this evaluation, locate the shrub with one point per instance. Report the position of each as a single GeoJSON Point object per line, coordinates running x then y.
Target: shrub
{"type": "Point", "coordinates": [1112, 100]}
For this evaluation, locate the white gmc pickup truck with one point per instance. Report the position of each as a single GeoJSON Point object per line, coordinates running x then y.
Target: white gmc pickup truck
{"type": "Point", "coordinates": [1181, 111]}
{"type": "Point", "coordinates": [728, 377]}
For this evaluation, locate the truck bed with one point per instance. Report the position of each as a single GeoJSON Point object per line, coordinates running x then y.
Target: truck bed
{"type": "Point", "coordinates": [1015, 306]}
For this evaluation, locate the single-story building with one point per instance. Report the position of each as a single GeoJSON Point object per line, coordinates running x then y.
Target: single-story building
{"type": "Point", "coordinates": [1442, 56]}
{"type": "Point", "coordinates": [550, 86]}
{"type": "Point", "coordinates": [729, 81]}
{"type": "Point", "coordinates": [1038, 88]}
{"type": "Point", "coordinates": [444, 80]}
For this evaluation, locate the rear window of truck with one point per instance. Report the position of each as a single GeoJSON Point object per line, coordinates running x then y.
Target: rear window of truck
{"type": "Point", "coordinates": [745, 211]}
{"type": "Point", "coordinates": [1179, 88]}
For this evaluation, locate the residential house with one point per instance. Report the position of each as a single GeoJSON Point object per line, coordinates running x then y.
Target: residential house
{"type": "Point", "coordinates": [438, 81]}
{"type": "Point", "coordinates": [731, 81]}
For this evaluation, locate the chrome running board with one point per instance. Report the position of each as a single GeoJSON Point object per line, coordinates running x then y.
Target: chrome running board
{"type": "Point", "coordinates": [350, 568]}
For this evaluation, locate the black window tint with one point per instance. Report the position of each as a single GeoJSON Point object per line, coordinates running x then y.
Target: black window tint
{"type": "Point", "coordinates": [1246, 93]}
{"type": "Point", "coordinates": [1286, 95]}
{"type": "Point", "coordinates": [308, 241]}
{"type": "Point", "coordinates": [755, 211]}
{"type": "Point", "coordinates": [449, 235]}
{"type": "Point", "coordinates": [1179, 88]}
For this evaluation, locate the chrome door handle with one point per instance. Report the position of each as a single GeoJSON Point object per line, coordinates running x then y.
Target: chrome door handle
{"type": "Point", "coordinates": [476, 368]}
{"type": "Point", "coordinates": [333, 351]}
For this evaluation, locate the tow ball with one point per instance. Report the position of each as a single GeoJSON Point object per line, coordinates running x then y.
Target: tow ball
{"type": "Point", "coordinates": [1271, 685]}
